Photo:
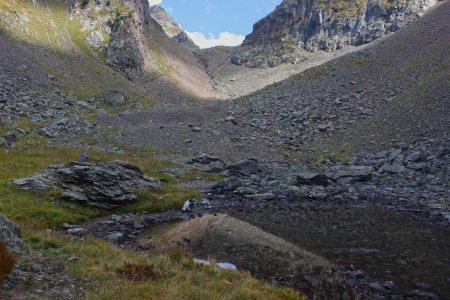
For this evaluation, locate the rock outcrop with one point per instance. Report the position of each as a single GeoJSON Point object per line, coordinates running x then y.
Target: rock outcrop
{"type": "Point", "coordinates": [104, 184]}
{"type": "Point", "coordinates": [296, 27]}
{"type": "Point", "coordinates": [170, 27]}
{"type": "Point", "coordinates": [124, 25]}
{"type": "Point", "coordinates": [10, 234]}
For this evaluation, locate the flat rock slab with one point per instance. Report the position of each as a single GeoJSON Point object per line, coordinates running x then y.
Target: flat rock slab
{"type": "Point", "coordinates": [357, 173]}
{"type": "Point", "coordinates": [104, 184]}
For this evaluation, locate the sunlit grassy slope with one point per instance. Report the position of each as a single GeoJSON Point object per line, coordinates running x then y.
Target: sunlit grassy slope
{"type": "Point", "coordinates": [98, 261]}
{"type": "Point", "coordinates": [58, 45]}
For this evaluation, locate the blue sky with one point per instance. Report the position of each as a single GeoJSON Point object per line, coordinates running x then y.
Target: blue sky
{"type": "Point", "coordinates": [217, 22]}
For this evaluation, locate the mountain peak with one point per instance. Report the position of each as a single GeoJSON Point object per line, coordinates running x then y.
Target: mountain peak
{"type": "Point", "coordinates": [170, 27]}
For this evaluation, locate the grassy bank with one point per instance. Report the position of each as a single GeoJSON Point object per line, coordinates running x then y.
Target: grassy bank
{"type": "Point", "coordinates": [173, 275]}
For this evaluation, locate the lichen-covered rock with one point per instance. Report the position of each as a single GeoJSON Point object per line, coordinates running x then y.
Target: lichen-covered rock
{"type": "Point", "coordinates": [105, 184]}
{"type": "Point", "coordinates": [296, 26]}
{"type": "Point", "coordinates": [10, 234]}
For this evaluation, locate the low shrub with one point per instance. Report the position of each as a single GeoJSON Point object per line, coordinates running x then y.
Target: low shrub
{"type": "Point", "coordinates": [138, 272]}
{"type": "Point", "coordinates": [7, 261]}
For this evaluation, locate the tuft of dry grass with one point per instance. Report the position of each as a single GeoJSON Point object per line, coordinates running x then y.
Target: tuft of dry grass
{"type": "Point", "coordinates": [179, 277]}
{"type": "Point", "coordinates": [138, 272]}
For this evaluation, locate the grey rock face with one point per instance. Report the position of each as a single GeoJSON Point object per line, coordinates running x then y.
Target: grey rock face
{"type": "Point", "coordinates": [105, 184]}
{"type": "Point", "coordinates": [127, 50]}
{"type": "Point", "coordinates": [125, 53]}
{"type": "Point", "coordinates": [296, 26]}
{"type": "Point", "coordinates": [168, 24]}
{"type": "Point", "coordinates": [10, 234]}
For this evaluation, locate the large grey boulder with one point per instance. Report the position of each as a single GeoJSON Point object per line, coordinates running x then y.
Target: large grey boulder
{"type": "Point", "coordinates": [244, 167]}
{"type": "Point", "coordinates": [312, 178]}
{"type": "Point", "coordinates": [352, 173]}
{"type": "Point", "coordinates": [105, 184]}
{"type": "Point", "coordinates": [10, 234]}
{"type": "Point", "coordinates": [204, 159]}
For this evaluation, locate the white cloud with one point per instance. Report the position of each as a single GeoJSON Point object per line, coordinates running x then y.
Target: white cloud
{"type": "Point", "coordinates": [154, 2]}
{"type": "Point", "coordinates": [224, 39]}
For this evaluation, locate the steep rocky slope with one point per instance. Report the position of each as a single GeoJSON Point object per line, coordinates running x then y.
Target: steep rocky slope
{"type": "Point", "coordinates": [296, 27]}
{"type": "Point", "coordinates": [171, 28]}
{"type": "Point", "coordinates": [139, 47]}
{"type": "Point", "coordinates": [380, 219]}
{"type": "Point", "coordinates": [382, 95]}
{"type": "Point", "coordinates": [92, 47]}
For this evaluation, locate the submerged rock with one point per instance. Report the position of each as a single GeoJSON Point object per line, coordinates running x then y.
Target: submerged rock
{"type": "Point", "coordinates": [105, 184]}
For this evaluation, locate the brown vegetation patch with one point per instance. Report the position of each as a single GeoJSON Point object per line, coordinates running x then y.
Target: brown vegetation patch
{"type": "Point", "coordinates": [7, 261]}
{"type": "Point", "coordinates": [138, 272]}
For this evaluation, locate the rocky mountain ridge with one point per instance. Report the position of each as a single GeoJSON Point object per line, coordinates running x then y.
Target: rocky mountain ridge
{"type": "Point", "coordinates": [171, 28]}
{"type": "Point", "coordinates": [143, 43]}
{"type": "Point", "coordinates": [347, 160]}
{"type": "Point", "coordinates": [297, 27]}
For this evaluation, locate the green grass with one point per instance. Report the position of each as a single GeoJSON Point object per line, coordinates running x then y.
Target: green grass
{"type": "Point", "coordinates": [98, 261]}
{"type": "Point", "coordinates": [181, 279]}
{"type": "Point", "coordinates": [43, 210]}
{"type": "Point", "coordinates": [168, 197]}
{"type": "Point", "coordinates": [325, 151]}
{"type": "Point", "coordinates": [197, 174]}
{"type": "Point", "coordinates": [81, 71]}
